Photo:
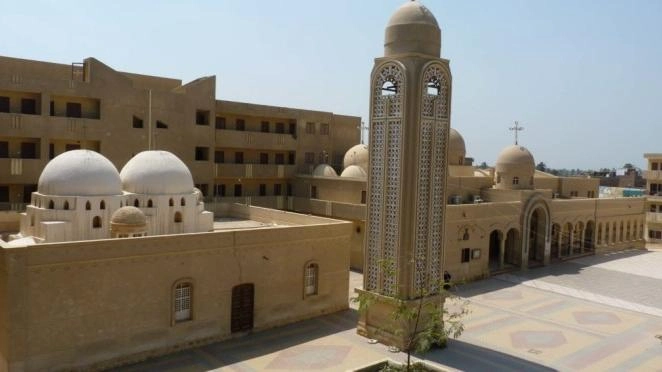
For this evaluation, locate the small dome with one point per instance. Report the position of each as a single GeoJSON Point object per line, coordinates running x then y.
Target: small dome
{"type": "Point", "coordinates": [324, 170]}
{"type": "Point", "coordinates": [156, 172]}
{"type": "Point", "coordinates": [79, 173]}
{"type": "Point", "coordinates": [456, 148]}
{"type": "Point", "coordinates": [412, 29]}
{"type": "Point", "coordinates": [128, 216]}
{"type": "Point", "coordinates": [357, 155]}
{"type": "Point", "coordinates": [515, 159]}
{"type": "Point", "coordinates": [354, 171]}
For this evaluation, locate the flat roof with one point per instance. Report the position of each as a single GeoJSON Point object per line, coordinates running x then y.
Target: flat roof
{"type": "Point", "coordinates": [232, 223]}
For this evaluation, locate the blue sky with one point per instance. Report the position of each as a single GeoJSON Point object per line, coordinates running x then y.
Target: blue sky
{"type": "Point", "coordinates": [583, 77]}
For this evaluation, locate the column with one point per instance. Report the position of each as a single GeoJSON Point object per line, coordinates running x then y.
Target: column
{"type": "Point", "coordinates": [502, 250]}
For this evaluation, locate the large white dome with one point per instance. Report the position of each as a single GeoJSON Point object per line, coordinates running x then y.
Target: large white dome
{"type": "Point", "coordinates": [79, 173]}
{"type": "Point", "coordinates": [357, 155]}
{"type": "Point", "coordinates": [156, 172]}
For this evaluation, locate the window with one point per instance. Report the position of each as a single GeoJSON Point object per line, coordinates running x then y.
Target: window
{"type": "Point", "coordinates": [263, 189]}
{"type": "Point", "coordinates": [363, 196]}
{"type": "Point", "coordinates": [28, 106]}
{"type": "Point", "coordinates": [71, 146]}
{"type": "Point", "coordinates": [220, 122]}
{"type": "Point", "coordinates": [51, 150]}
{"type": "Point", "coordinates": [311, 274]}
{"type": "Point", "coordinates": [289, 189]}
{"type": "Point", "coordinates": [4, 149]}
{"type": "Point", "coordinates": [178, 217]}
{"type": "Point", "coordinates": [293, 129]}
{"type": "Point", "coordinates": [264, 158]}
{"type": "Point", "coordinates": [74, 110]}
{"type": "Point", "coordinates": [498, 180]}
{"type": "Point", "coordinates": [51, 108]}
{"type": "Point", "coordinates": [171, 203]}
{"type": "Point", "coordinates": [239, 157]}
{"type": "Point", "coordinates": [51, 205]}
{"type": "Point", "coordinates": [240, 124]}
{"type": "Point", "coordinates": [265, 127]}
{"type": "Point", "coordinates": [182, 202]}
{"type": "Point", "coordinates": [202, 117]}
{"type": "Point", "coordinates": [278, 189]}
{"type": "Point", "coordinates": [237, 190]}
{"type": "Point", "coordinates": [465, 236]}
{"type": "Point", "coordinates": [27, 192]}
{"type": "Point", "coordinates": [66, 205]}
{"type": "Point", "coordinates": [29, 150]}
{"type": "Point", "coordinates": [309, 157]}
{"type": "Point", "coordinates": [150, 204]}
{"type": "Point", "coordinates": [219, 157]}
{"type": "Point", "coordinates": [324, 129]}
{"type": "Point", "coordinates": [280, 127]}
{"type": "Point", "coordinates": [516, 180]}
{"type": "Point", "coordinates": [4, 194]}
{"type": "Point", "coordinates": [313, 192]}
{"type": "Point", "coordinates": [137, 122]}
{"type": "Point", "coordinates": [136, 203]}
{"type": "Point", "coordinates": [310, 128]}
{"type": "Point", "coordinates": [201, 153]}
{"type": "Point", "coordinates": [219, 190]}
{"type": "Point", "coordinates": [183, 301]}
{"type": "Point", "coordinates": [280, 158]}
{"type": "Point", "coordinates": [291, 158]}
{"type": "Point", "coordinates": [96, 222]}
{"type": "Point", "coordinates": [389, 88]}
{"type": "Point", "coordinates": [466, 254]}
{"type": "Point", "coordinates": [203, 188]}
{"type": "Point", "coordinates": [654, 166]}
{"type": "Point", "coordinates": [102, 205]}
{"type": "Point", "coordinates": [4, 104]}
{"type": "Point", "coordinates": [161, 125]}
{"type": "Point", "coordinates": [88, 206]}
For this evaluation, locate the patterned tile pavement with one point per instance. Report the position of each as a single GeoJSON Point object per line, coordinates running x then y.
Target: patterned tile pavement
{"type": "Point", "coordinates": [552, 318]}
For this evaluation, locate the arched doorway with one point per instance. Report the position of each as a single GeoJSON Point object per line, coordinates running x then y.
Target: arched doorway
{"type": "Point", "coordinates": [495, 250]}
{"type": "Point", "coordinates": [513, 251]}
{"type": "Point", "coordinates": [588, 236]}
{"type": "Point", "coordinates": [566, 240]}
{"type": "Point", "coordinates": [537, 233]}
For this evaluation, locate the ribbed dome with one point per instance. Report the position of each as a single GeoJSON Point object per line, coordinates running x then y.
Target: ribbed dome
{"type": "Point", "coordinates": [324, 170]}
{"type": "Point", "coordinates": [80, 173]}
{"type": "Point", "coordinates": [357, 155]}
{"type": "Point", "coordinates": [156, 172]}
{"type": "Point", "coordinates": [128, 216]}
{"type": "Point", "coordinates": [516, 160]}
{"type": "Point", "coordinates": [354, 171]}
{"type": "Point", "coordinates": [412, 29]}
{"type": "Point", "coordinates": [457, 150]}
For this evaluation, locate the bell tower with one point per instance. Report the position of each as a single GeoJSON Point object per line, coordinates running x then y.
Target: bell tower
{"type": "Point", "coordinates": [409, 130]}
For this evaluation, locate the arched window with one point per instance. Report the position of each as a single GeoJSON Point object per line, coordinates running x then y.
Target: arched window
{"type": "Point", "coordinates": [88, 206]}
{"type": "Point", "coordinates": [150, 204]}
{"type": "Point", "coordinates": [66, 205]}
{"type": "Point", "coordinates": [121, 204]}
{"type": "Point", "coordinates": [51, 205]}
{"type": "Point", "coordinates": [178, 217]}
{"type": "Point", "coordinates": [102, 205]}
{"type": "Point", "coordinates": [466, 234]}
{"type": "Point", "coordinates": [182, 202]}
{"type": "Point", "coordinates": [515, 180]}
{"type": "Point", "coordinates": [96, 222]}
{"type": "Point", "coordinates": [182, 301]}
{"type": "Point", "coordinates": [171, 202]}
{"type": "Point", "coordinates": [311, 274]}
{"type": "Point", "coordinates": [136, 203]}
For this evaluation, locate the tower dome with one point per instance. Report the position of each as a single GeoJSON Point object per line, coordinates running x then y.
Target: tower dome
{"type": "Point", "coordinates": [457, 150]}
{"type": "Point", "coordinates": [79, 173]}
{"type": "Point", "coordinates": [357, 155]}
{"type": "Point", "coordinates": [412, 29]}
{"type": "Point", "coordinates": [324, 170]}
{"type": "Point", "coordinates": [514, 168]}
{"type": "Point", "coordinates": [156, 172]}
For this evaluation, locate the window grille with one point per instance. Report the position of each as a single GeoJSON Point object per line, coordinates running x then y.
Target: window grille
{"type": "Point", "coordinates": [310, 279]}
{"type": "Point", "coordinates": [183, 296]}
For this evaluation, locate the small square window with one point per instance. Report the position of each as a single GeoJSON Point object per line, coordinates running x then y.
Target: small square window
{"type": "Point", "coordinates": [240, 124]}
{"type": "Point", "coordinates": [280, 128]}
{"type": "Point", "coordinates": [310, 128]}
{"type": "Point", "coordinates": [4, 104]}
{"type": "Point", "coordinates": [202, 117]}
{"type": "Point", "coordinates": [137, 122]}
{"type": "Point", "coordinates": [28, 106]}
{"type": "Point", "coordinates": [220, 122]}
{"type": "Point", "coordinates": [201, 153]}
{"type": "Point", "coordinates": [324, 129]}
{"type": "Point", "coordinates": [265, 127]}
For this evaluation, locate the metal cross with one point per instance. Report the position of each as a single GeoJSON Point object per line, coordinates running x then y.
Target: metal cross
{"type": "Point", "coordinates": [516, 129]}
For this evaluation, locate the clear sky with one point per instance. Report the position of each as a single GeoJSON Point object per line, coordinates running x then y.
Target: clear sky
{"type": "Point", "coordinates": [583, 77]}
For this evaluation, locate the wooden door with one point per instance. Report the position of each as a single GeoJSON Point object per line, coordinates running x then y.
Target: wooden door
{"type": "Point", "coordinates": [242, 307]}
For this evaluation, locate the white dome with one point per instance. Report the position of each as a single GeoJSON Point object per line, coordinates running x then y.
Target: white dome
{"type": "Point", "coordinates": [80, 173]}
{"type": "Point", "coordinates": [324, 170]}
{"type": "Point", "coordinates": [357, 155]}
{"type": "Point", "coordinates": [354, 171]}
{"type": "Point", "coordinates": [156, 172]}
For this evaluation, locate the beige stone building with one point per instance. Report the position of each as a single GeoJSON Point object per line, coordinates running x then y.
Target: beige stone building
{"type": "Point", "coordinates": [235, 151]}
{"type": "Point", "coordinates": [653, 176]}
{"type": "Point", "coordinates": [77, 293]}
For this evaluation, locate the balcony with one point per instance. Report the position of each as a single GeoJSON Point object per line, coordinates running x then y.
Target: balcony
{"type": "Point", "coordinates": [20, 170]}
{"type": "Point", "coordinates": [653, 175]}
{"type": "Point", "coordinates": [653, 217]}
{"type": "Point", "coordinates": [226, 138]}
{"type": "Point", "coordinates": [254, 171]}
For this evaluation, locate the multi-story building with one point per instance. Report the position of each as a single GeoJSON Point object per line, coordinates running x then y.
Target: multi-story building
{"type": "Point", "coordinates": [653, 176]}
{"type": "Point", "coordinates": [236, 151]}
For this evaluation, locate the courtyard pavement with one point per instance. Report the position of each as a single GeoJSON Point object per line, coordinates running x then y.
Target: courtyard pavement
{"type": "Point", "coordinates": [597, 313]}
